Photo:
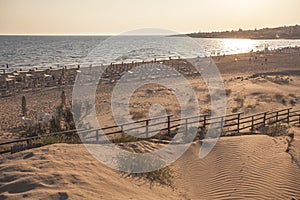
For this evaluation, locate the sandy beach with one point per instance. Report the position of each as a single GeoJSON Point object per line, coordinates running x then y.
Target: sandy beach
{"type": "Point", "coordinates": [257, 85]}
{"type": "Point", "coordinates": [247, 166]}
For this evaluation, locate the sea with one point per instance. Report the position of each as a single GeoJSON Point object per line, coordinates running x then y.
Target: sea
{"type": "Point", "coordinates": [25, 52]}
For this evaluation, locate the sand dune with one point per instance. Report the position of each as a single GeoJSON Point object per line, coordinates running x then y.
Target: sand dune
{"type": "Point", "coordinates": [251, 167]}
{"type": "Point", "coordinates": [64, 171]}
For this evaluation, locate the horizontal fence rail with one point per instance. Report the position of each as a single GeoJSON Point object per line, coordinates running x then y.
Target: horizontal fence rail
{"type": "Point", "coordinates": [237, 123]}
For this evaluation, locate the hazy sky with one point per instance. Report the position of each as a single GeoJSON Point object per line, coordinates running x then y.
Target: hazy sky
{"type": "Point", "coordinates": [116, 16]}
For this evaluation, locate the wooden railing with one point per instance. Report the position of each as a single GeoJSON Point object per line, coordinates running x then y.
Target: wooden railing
{"type": "Point", "coordinates": [237, 123]}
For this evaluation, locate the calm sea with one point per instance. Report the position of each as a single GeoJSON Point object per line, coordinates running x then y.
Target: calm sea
{"type": "Point", "coordinates": [30, 51]}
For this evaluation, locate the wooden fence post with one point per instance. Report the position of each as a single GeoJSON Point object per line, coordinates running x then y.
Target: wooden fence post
{"type": "Point", "coordinates": [252, 124]}
{"type": "Point", "coordinates": [222, 124]}
{"type": "Point", "coordinates": [147, 128]}
{"type": "Point", "coordinates": [265, 118]}
{"type": "Point", "coordinates": [204, 122]}
{"type": "Point", "coordinates": [238, 124]}
{"type": "Point", "coordinates": [277, 117]}
{"type": "Point", "coordinates": [97, 136]}
{"type": "Point", "coordinates": [288, 116]}
{"type": "Point", "coordinates": [186, 125]}
{"type": "Point", "coordinates": [169, 125]}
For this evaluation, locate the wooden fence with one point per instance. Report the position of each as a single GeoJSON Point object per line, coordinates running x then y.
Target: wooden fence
{"type": "Point", "coordinates": [232, 124]}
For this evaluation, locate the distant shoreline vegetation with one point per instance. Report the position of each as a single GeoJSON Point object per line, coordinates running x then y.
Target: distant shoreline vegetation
{"type": "Point", "coordinates": [285, 32]}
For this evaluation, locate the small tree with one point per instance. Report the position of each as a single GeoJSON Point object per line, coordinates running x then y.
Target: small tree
{"type": "Point", "coordinates": [63, 99]}
{"type": "Point", "coordinates": [24, 109]}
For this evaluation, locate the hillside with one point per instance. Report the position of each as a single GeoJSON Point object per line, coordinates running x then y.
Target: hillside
{"type": "Point", "coordinates": [286, 32]}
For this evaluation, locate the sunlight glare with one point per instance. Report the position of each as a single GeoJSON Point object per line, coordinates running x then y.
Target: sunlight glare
{"type": "Point", "coordinates": [234, 46]}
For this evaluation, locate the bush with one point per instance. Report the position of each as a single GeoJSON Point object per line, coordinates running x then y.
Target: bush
{"type": "Point", "coordinates": [293, 102]}
{"type": "Point", "coordinates": [276, 130]}
{"type": "Point", "coordinates": [161, 176]}
{"type": "Point", "coordinates": [62, 120]}
{"type": "Point", "coordinates": [235, 110]}
{"type": "Point", "coordinates": [122, 138]}
{"type": "Point", "coordinates": [50, 139]}
{"type": "Point", "coordinates": [138, 115]}
{"type": "Point", "coordinates": [240, 101]}
{"type": "Point", "coordinates": [228, 92]}
{"type": "Point", "coordinates": [200, 135]}
{"type": "Point", "coordinates": [71, 138]}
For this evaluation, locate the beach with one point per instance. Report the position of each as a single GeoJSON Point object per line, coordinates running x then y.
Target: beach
{"type": "Point", "coordinates": [253, 166]}
{"type": "Point", "coordinates": [261, 86]}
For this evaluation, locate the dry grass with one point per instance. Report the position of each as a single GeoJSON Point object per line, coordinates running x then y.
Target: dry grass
{"type": "Point", "coordinates": [123, 138]}
{"type": "Point", "coordinates": [240, 101]}
{"type": "Point", "coordinates": [276, 130]}
{"type": "Point", "coordinates": [279, 80]}
{"type": "Point", "coordinates": [137, 115]}
{"type": "Point", "coordinates": [163, 176]}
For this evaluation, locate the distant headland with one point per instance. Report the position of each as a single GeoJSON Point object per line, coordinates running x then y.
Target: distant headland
{"type": "Point", "coordinates": [284, 32]}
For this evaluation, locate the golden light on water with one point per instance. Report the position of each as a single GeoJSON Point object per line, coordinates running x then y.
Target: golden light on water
{"type": "Point", "coordinates": [234, 46]}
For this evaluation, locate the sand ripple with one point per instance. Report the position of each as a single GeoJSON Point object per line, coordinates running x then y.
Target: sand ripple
{"type": "Point", "coordinates": [252, 167]}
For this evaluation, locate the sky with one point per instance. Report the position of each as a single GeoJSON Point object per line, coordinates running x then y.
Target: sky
{"type": "Point", "coordinates": [103, 17]}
